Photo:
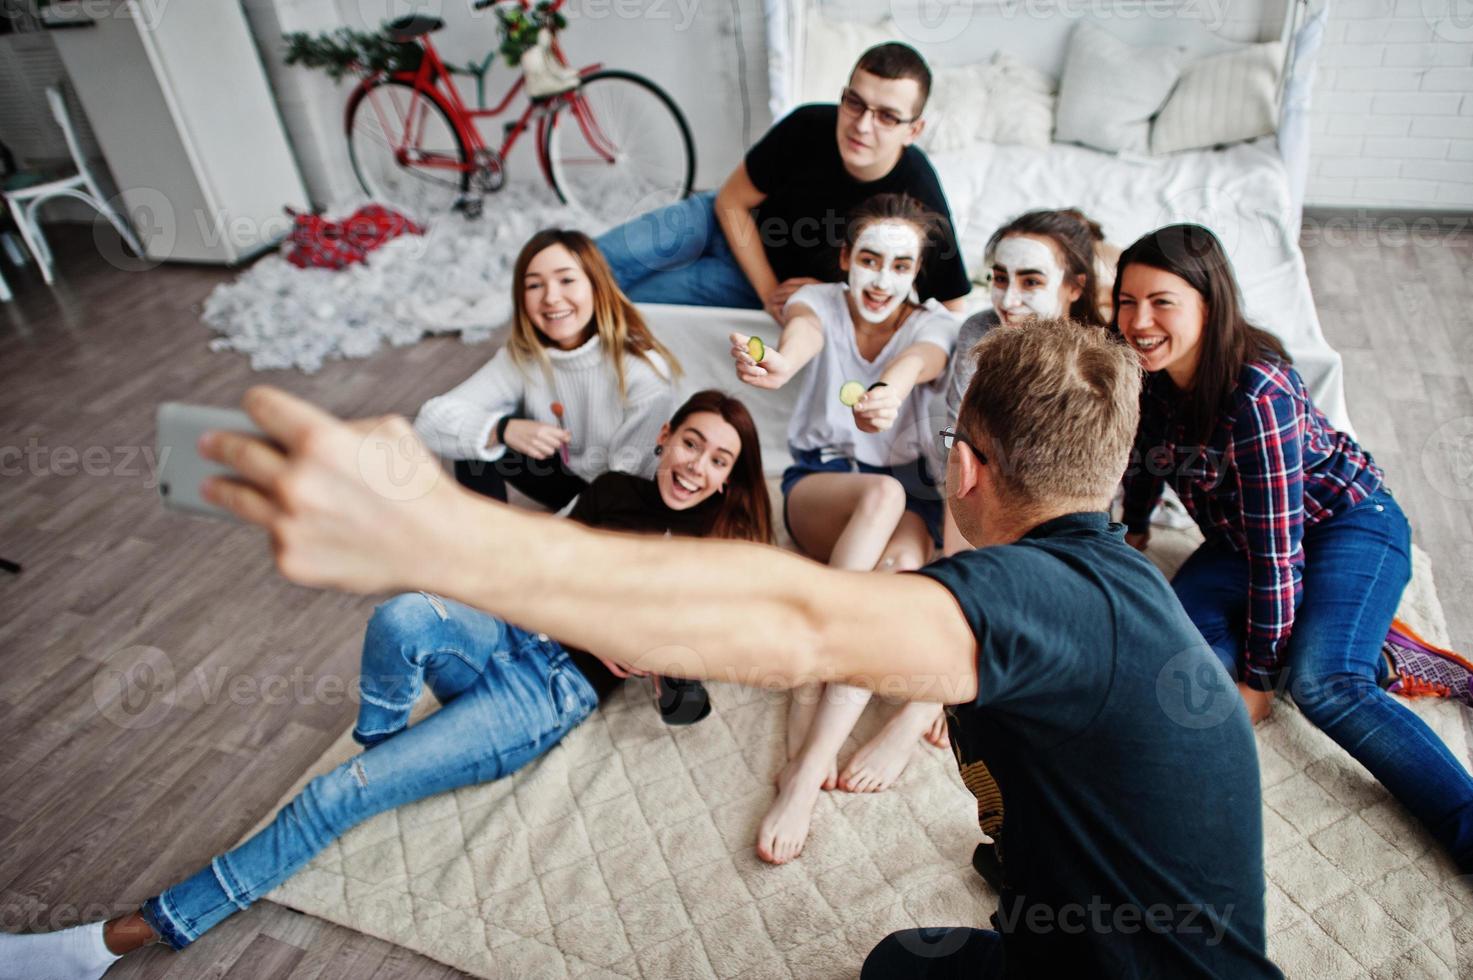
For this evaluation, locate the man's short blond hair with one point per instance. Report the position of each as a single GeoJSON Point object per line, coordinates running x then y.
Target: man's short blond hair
{"type": "Point", "coordinates": [1054, 404]}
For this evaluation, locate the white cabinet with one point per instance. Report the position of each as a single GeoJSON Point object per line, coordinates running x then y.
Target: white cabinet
{"type": "Point", "coordinates": [179, 102]}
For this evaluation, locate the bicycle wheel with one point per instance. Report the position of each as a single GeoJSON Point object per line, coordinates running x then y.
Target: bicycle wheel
{"type": "Point", "coordinates": [424, 172]}
{"type": "Point", "coordinates": [618, 146]}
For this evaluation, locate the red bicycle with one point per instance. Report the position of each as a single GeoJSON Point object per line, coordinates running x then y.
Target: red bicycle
{"type": "Point", "coordinates": [614, 144]}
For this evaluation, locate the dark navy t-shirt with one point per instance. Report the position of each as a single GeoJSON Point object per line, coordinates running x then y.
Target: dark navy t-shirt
{"type": "Point", "coordinates": [1113, 764]}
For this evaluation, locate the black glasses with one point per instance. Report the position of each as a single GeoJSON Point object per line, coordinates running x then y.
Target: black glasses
{"type": "Point", "coordinates": [950, 437]}
{"type": "Point", "coordinates": [857, 107]}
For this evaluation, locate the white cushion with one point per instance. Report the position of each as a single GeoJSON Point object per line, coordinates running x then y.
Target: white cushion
{"type": "Point", "coordinates": [1226, 98]}
{"type": "Point", "coordinates": [1020, 104]}
{"type": "Point", "coordinates": [1002, 102]}
{"type": "Point", "coordinates": [830, 49]}
{"type": "Point", "coordinates": [1110, 90]}
{"type": "Point", "coordinates": [957, 109]}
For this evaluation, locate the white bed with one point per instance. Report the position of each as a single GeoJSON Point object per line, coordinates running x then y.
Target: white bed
{"type": "Point", "coordinates": [1247, 193]}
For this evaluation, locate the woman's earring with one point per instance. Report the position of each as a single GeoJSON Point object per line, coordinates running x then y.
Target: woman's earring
{"type": "Point", "coordinates": [659, 450]}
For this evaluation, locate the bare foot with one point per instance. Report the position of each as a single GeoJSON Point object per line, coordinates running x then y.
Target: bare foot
{"type": "Point", "coordinates": [879, 763]}
{"type": "Point", "coordinates": [784, 829]}
{"type": "Point", "coordinates": [802, 707]}
{"type": "Point", "coordinates": [938, 734]}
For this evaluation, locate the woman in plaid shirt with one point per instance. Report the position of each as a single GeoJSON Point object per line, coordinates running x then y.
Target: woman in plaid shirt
{"type": "Point", "coordinates": [1306, 552]}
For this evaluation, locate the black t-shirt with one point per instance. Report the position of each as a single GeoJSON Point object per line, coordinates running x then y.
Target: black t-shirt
{"type": "Point", "coordinates": [1113, 764]}
{"type": "Point", "coordinates": [809, 196]}
{"type": "Point", "coordinates": [620, 502]}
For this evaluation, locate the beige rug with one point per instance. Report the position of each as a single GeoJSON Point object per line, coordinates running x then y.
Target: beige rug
{"type": "Point", "coordinates": [628, 852]}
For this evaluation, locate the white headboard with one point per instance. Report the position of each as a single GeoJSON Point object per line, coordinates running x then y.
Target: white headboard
{"type": "Point", "coordinates": [1035, 32]}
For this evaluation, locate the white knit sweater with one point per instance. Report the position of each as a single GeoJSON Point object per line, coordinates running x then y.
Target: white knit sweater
{"type": "Point", "coordinates": [608, 433]}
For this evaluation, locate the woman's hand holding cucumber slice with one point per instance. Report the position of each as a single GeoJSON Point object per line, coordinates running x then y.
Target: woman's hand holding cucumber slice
{"type": "Point", "coordinates": [877, 408]}
{"type": "Point", "coordinates": [759, 365]}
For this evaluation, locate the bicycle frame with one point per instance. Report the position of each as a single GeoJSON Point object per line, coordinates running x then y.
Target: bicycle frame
{"type": "Point", "coordinates": [433, 80]}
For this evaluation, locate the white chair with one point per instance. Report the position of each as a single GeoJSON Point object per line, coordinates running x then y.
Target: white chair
{"type": "Point", "coordinates": [24, 203]}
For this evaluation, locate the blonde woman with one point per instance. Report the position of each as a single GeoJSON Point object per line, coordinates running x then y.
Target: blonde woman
{"type": "Point", "coordinates": [581, 388]}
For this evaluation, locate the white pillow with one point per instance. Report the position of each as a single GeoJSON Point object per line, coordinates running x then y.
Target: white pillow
{"type": "Point", "coordinates": [957, 109]}
{"type": "Point", "coordinates": [1002, 102]}
{"type": "Point", "coordinates": [1110, 90]}
{"type": "Point", "coordinates": [1226, 98]}
{"type": "Point", "coordinates": [1020, 104]}
{"type": "Point", "coordinates": [830, 49]}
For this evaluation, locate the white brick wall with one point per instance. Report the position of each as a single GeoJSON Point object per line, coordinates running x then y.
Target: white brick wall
{"type": "Point", "coordinates": [1393, 106]}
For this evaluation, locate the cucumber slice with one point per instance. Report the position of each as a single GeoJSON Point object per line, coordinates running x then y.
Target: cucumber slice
{"type": "Point", "coordinates": [756, 349]}
{"type": "Point", "coordinates": [850, 392]}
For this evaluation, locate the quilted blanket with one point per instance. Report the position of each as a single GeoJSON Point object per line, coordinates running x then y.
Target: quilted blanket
{"type": "Point", "coordinates": [628, 852]}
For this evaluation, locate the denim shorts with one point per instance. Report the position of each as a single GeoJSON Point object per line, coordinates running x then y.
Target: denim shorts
{"type": "Point", "coordinates": [923, 497]}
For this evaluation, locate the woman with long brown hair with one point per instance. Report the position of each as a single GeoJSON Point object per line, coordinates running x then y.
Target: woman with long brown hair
{"type": "Point", "coordinates": [580, 388]}
{"type": "Point", "coordinates": [507, 695]}
{"type": "Point", "coordinates": [1306, 551]}
{"type": "Point", "coordinates": [859, 495]}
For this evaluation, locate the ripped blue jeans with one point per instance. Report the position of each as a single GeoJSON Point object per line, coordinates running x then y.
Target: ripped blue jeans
{"type": "Point", "coordinates": [507, 696]}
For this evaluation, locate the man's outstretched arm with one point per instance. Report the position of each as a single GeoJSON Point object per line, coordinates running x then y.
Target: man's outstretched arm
{"type": "Point", "coordinates": [343, 514]}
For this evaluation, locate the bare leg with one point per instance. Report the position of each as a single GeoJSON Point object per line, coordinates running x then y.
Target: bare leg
{"type": "Point", "coordinates": [938, 734]}
{"type": "Point", "coordinates": [784, 829]}
{"type": "Point", "coordinates": [880, 762]}
{"type": "Point", "coordinates": [127, 933]}
{"type": "Point", "coordinates": [846, 519]}
{"type": "Point", "coordinates": [802, 708]}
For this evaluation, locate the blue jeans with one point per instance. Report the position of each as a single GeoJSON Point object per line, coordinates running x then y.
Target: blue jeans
{"type": "Point", "coordinates": [1355, 568]}
{"type": "Point", "coordinates": [507, 696]}
{"type": "Point", "coordinates": [678, 254]}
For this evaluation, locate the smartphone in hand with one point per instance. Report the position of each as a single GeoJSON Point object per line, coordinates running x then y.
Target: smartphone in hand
{"type": "Point", "coordinates": [181, 468]}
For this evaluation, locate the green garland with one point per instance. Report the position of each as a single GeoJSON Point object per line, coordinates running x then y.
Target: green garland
{"type": "Point", "coordinates": [346, 51]}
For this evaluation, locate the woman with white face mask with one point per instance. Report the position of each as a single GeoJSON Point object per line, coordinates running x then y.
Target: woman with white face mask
{"type": "Point", "coordinates": [859, 494]}
{"type": "Point", "coordinates": [1043, 265]}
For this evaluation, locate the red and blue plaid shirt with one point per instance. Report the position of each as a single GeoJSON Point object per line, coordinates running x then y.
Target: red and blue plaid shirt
{"type": "Point", "coordinates": [1272, 465]}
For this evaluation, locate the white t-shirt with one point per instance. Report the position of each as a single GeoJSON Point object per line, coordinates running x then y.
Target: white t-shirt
{"type": "Point", "coordinates": [821, 421]}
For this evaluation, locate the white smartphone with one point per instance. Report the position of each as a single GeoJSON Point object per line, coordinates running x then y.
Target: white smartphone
{"type": "Point", "coordinates": [181, 468]}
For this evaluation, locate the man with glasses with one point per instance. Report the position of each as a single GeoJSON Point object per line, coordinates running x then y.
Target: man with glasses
{"type": "Point", "coordinates": [1112, 761]}
{"type": "Point", "coordinates": [778, 221]}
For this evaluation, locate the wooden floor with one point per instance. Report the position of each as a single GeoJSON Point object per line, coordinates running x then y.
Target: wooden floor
{"type": "Point", "coordinates": [237, 681]}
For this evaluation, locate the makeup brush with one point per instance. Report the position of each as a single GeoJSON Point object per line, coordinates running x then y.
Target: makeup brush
{"type": "Point", "coordinates": [557, 411]}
